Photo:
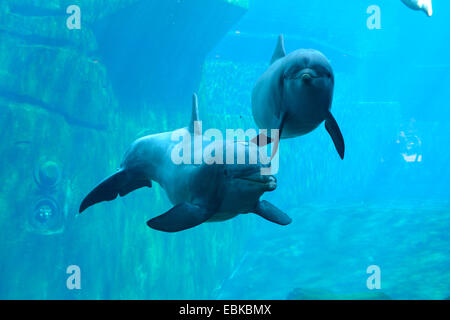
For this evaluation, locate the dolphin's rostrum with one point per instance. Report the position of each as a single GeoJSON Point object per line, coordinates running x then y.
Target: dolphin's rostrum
{"type": "Point", "coordinates": [199, 193]}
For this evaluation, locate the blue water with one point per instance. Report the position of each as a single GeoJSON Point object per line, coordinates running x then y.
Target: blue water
{"type": "Point", "coordinates": [78, 98]}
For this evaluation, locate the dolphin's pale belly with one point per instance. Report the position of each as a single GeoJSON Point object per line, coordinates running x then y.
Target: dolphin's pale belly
{"type": "Point", "coordinates": [304, 112]}
{"type": "Point", "coordinates": [298, 123]}
{"type": "Point", "coordinates": [218, 217]}
{"type": "Point", "coordinates": [301, 117]}
{"type": "Point", "coordinates": [235, 203]}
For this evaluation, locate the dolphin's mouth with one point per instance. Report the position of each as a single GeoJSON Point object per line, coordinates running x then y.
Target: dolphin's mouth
{"type": "Point", "coordinates": [307, 75]}
{"type": "Point", "coordinates": [302, 74]}
{"type": "Point", "coordinates": [269, 181]}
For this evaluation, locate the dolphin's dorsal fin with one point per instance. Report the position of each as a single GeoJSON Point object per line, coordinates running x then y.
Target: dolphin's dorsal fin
{"type": "Point", "coordinates": [195, 116]}
{"type": "Point", "coordinates": [279, 52]}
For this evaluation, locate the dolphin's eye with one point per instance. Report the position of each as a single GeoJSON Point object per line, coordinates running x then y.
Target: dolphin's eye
{"type": "Point", "coordinates": [321, 71]}
{"type": "Point", "coordinates": [324, 72]}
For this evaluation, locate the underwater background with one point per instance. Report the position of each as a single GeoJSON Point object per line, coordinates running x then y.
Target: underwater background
{"type": "Point", "coordinates": [72, 101]}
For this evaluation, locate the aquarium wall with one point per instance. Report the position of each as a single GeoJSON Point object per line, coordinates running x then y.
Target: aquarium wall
{"type": "Point", "coordinates": [72, 101]}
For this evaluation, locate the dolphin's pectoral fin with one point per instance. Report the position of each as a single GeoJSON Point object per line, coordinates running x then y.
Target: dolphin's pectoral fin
{"type": "Point", "coordinates": [261, 140]}
{"type": "Point", "coordinates": [181, 217]}
{"type": "Point", "coordinates": [134, 185]}
{"type": "Point", "coordinates": [121, 183]}
{"type": "Point", "coordinates": [269, 212]}
{"type": "Point", "coordinates": [335, 133]}
{"type": "Point", "coordinates": [280, 132]}
{"type": "Point", "coordinates": [279, 52]}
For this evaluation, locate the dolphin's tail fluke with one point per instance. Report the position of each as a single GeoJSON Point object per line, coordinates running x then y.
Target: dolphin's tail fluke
{"type": "Point", "coordinates": [121, 183]}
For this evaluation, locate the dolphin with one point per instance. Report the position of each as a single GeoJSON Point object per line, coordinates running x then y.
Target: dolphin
{"type": "Point", "coordinates": [199, 193]}
{"type": "Point", "coordinates": [423, 5]}
{"type": "Point", "coordinates": [294, 95]}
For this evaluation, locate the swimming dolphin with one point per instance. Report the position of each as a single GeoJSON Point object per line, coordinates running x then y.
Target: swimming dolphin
{"type": "Point", "coordinates": [423, 5]}
{"type": "Point", "coordinates": [294, 95]}
{"type": "Point", "coordinates": [199, 193]}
